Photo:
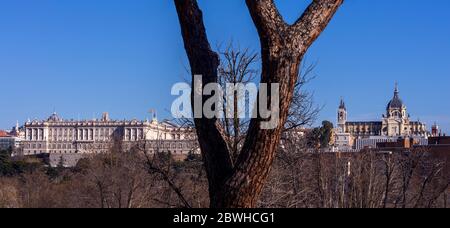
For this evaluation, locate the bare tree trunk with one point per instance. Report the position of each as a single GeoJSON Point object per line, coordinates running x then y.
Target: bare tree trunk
{"type": "Point", "coordinates": [390, 168]}
{"type": "Point", "coordinates": [283, 47]}
{"type": "Point", "coordinates": [204, 62]}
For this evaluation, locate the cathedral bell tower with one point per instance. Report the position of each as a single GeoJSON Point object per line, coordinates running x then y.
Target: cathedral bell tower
{"type": "Point", "coordinates": [342, 116]}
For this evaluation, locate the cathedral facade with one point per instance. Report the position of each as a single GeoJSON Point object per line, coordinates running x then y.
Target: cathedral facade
{"type": "Point", "coordinates": [395, 123]}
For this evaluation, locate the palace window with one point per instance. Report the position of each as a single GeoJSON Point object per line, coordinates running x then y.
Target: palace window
{"type": "Point", "coordinates": [141, 134]}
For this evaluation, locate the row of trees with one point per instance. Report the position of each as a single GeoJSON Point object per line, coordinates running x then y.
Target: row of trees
{"type": "Point", "coordinates": [114, 180]}
{"type": "Point", "coordinates": [370, 179]}
{"type": "Point", "coordinates": [300, 178]}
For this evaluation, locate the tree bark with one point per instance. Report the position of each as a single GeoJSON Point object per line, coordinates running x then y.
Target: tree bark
{"type": "Point", "coordinates": [203, 61]}
{"type": "Point", "coordinates": [283, 46]}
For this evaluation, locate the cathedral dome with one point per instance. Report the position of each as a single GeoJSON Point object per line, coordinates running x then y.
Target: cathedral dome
{"type": "Point", "coordinates": [396, 102]}
{"type": "Point", "coordinates": [54, 118]}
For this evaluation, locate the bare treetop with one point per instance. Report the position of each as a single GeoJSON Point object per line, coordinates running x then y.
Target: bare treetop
{"type": "Point", "coordinates": [273, 29]}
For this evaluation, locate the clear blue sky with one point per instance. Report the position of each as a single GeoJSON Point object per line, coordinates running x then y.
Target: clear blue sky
{"type": "Point", "coordinates": [84, 57]}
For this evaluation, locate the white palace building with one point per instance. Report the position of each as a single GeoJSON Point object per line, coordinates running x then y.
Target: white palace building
{"type": "Point", "coordinates": [58, 136]}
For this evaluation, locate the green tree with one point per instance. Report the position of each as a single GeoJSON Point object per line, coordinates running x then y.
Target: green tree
{"type": "Point", "coordinates": [326, 132]}
{"type": "Point", "coordinates": [6, 166]}
{"type": "Point", "coordinates": [320, 137]}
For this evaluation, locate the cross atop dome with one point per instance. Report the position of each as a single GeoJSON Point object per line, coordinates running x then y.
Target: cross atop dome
{"type": "Point", "coordinates": [396, 102]}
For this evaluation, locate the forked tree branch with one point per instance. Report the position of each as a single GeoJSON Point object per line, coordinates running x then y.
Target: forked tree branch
{"type": "Point", "coordinates": [265, 14]}
{"type": "Point", "coordinates": [313, 21]}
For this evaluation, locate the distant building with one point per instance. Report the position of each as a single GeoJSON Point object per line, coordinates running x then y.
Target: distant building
{"type": "Point", "coordinates": [439, 147]}
{"type": "Point", "coordinates": [58, 136]}
{"type": "Point", "coordinates": [9, 141]}
{"type": "Point", "coordinates": [18, 131]}
{"type": "Point", "coordinates": [439, 141]}
{"type": "Point", "coordinates": [435, 132]}
{"type": "Point", "coordinates": [395, 124]}
{"type": "Point", "coordinates": [3, 133]}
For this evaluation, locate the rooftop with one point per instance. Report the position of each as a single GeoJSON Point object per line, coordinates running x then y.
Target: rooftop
{"type": "Point", "coordinates": [4, 133]}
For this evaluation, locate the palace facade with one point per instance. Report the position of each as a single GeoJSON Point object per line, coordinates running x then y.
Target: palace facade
{"type": "Point", "coordinates": [58, 136]}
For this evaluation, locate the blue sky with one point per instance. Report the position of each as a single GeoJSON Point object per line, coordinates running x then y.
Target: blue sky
{"type": "Point", "coordinates": [85, 57]}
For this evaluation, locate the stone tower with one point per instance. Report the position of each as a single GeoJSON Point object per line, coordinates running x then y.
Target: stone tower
{"type": "Point", "coordinates": [435, 130]}
{"type": "Point", "coordinates": [342, 116]}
